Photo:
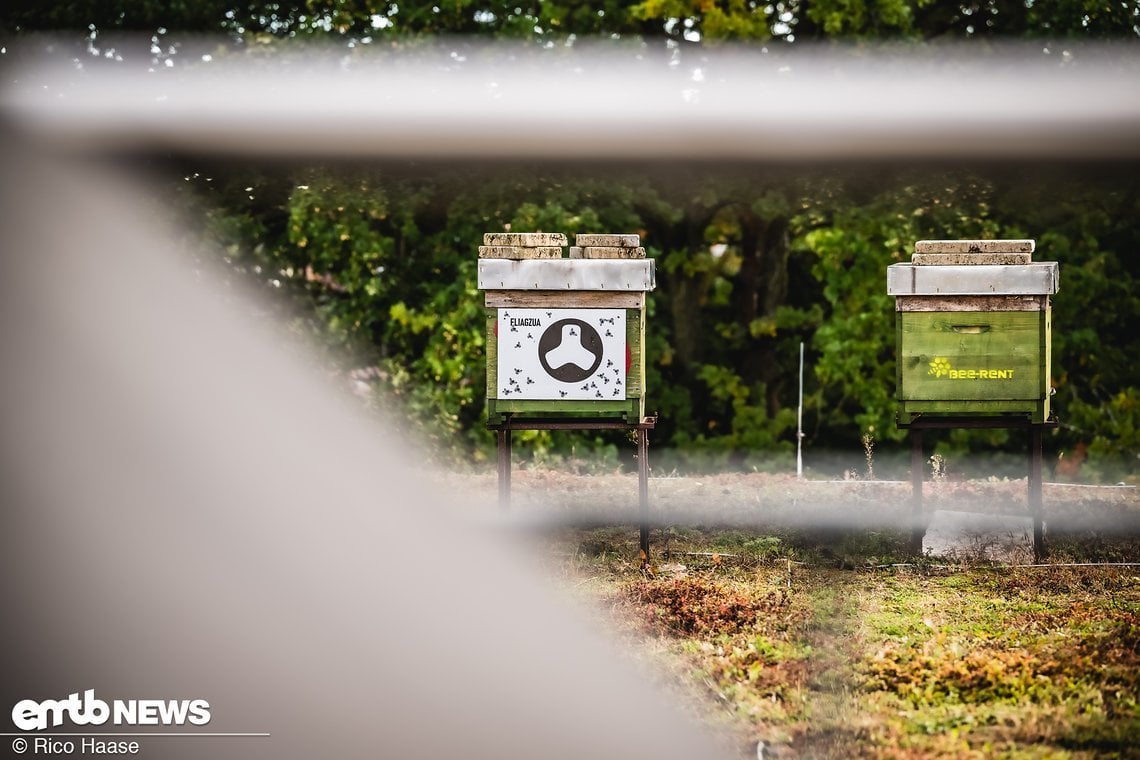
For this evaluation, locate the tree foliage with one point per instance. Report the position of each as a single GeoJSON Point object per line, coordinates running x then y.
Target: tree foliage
{"type": "Point", "coordinates": [379, 261]}
{"type": "Point", "coordinates": [748, 268]}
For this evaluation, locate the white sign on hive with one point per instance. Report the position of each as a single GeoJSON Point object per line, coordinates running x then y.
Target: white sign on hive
{"type": "Point", "coordinates": [562, 354]}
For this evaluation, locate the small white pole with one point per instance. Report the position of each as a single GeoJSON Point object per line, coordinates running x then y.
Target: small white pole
{"type": "Point", "coordinates": [800, 421]}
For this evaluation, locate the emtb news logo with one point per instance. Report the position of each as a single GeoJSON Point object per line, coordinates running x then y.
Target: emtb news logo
{"type": "Point", "coordinates": [30, 715]}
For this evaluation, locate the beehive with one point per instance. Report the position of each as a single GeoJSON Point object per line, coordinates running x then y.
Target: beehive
{"type": "Point", "coordinates": [973, 330]}
{"type": "Point", "coordinates": [565, 335]}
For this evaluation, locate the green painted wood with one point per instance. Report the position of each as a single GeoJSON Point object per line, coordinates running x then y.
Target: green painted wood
{"type": "Point", "coordinates": [971, 355]}
{"type": "Point", "coordinates": [1036, 411]}
{"type": "Point", "coordinates": [635, 344]}
{"type": "Point", "coordinates": [955, 363]}
{"type": "Point", "coordinates": [631, 410]}
{"type": "Point", "coordinates": [492, 353]}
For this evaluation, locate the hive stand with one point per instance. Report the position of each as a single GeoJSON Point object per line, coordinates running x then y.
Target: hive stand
{"type": "Point", "coordinates": [640, 429]}
{"type": "Point", "coordinates": [1035, 461]}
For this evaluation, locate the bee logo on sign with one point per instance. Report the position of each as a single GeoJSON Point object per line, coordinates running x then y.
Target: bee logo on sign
{"type": "Point", "coordinates": [562, 354]}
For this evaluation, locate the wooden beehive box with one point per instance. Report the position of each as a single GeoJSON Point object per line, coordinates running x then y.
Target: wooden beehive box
{"type": "Point", "coordinates": [565, 335]}
{"type": "Point", "coordinates": [973, 330]}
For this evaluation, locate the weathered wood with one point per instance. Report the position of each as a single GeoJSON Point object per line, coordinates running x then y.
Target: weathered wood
{"type": "Point", "coordinates": [608, 240]}
{"type": "Point", "coordinates": [634, 341]}
{"type": "Point", "coordinates": [519, 252]}
{"type": "Point", "coordinates": [492, 352]}
{"type": "Point", "coordinates": [969, 259]}
{"type": "Point", "coordinates": [582, 408]}
{"type": "Point", "coordinates": [974, 246]}
{"type": "Point", "coordinates": [972, 303]}
{"type": "Point", "coordinates": [568, 299]}
{"type": "Point", "coordinates": [530, 239]}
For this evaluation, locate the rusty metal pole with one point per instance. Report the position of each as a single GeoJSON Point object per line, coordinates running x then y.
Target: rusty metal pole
{"type": "Point", "coordinates": [503, 439]}
{"type": "Point", "coordinates": [643, 490]}
{"type": "Point", "coordinates": [918, 526]}
{"type": "Point", "coordinates": [1035, 497]}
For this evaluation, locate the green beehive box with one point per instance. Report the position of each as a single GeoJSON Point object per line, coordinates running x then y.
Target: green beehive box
{"type": "Point", "coordinates": [973, 331]}
{"type": "Point", "coordinates": [566, 336]}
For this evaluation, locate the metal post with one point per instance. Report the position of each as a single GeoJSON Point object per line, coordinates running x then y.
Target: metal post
{"type": "Point", "coordinates": [918, 526]}
{"type": "Point", "coordinates": [1035, 498]}
{"type": "Point", "coordinates": [643, 490]}
{"type": "Point", "coordinates": [503, 439]}
{"type": "Point", "coordinates": [800, 420]}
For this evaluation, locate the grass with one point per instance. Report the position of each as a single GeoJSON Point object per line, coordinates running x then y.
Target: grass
{"type": "Point", "coordinates": [819, 646]}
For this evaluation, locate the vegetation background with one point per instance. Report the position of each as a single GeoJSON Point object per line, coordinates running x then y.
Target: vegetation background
{"type": "Point", "coordinates": [378, 262]}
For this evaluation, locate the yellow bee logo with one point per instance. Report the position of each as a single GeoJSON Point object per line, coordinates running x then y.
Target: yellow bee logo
{"type": "Point", "coordinates": [939, 367]}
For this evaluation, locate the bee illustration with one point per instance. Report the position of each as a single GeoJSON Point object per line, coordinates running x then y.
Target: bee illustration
{"type": "Point", "coordinates": [518, 345]}
{"type": "Point", "coordinates": [563, 393]}
{"type": "Point", "coordinates": [529, 381]}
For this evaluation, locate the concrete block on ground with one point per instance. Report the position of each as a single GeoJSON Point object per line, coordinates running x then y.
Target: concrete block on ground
{"type": "Point", "coordinates": [957, 535]}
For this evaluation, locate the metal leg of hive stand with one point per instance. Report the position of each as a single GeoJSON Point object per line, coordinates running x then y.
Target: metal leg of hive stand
{"type": "Point", "coordinates": [1035, 498]}
{"type": "Point", "coordinates": [503, 436]}
{"type": "Point", "coordinates": [918, 524]}
{"type": "Point", "coordinates": [643, 490]}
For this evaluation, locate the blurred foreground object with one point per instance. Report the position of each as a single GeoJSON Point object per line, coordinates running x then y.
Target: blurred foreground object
{"type": "Point", "coordinates": [458, 100]}
{"type": "Point", "coordinates": [191, 513]}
